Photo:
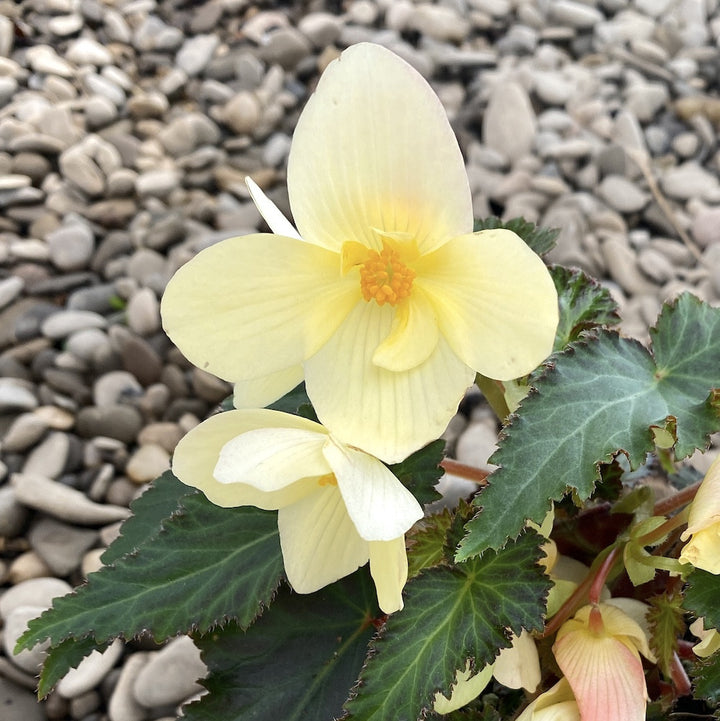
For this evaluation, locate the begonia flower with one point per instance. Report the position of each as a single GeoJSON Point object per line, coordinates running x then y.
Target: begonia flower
{"type": "Point", "coordinates": [517, 666]}
{"type": "Point", "coordinates": [338, 507]}
{"type": "Point", "coordinates": [384, 295]}
{"type": "Point", "coordinates": [709, 639]}
{"type": "Point", "coordinates": [599, 652]}
{"type": "Point", "coordinates": [703, 531]}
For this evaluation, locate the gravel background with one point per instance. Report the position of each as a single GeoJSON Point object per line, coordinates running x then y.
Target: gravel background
{"type": "Point", "coordinates": [126, 129]}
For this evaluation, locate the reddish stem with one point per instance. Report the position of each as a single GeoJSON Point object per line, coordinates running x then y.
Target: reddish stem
{"type": "Point", "coordinates": [601, 575]}
{"type": "Point", "coordinates": [662, 508]}
{"type": "Point", "coordinates": [469, 473]}
{"type": "Point", "coordinates": [679, 676]}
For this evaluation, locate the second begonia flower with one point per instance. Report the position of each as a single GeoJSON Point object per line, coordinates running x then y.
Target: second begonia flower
{"type": "Point", "coordinates": [383, 299]}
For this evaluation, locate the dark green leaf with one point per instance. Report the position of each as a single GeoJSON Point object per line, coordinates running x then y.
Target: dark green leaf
{"type": "Point", "coordinates": [61, 658]}
{"type": "Point", "coordinates": [207, 566]}
{"type": "Point", "coordinates": [707, 679]}
{"type": "Point", "coordinates": [667, 624]}
{"type": "Point", "coordinates": [584, 304]}
{"type": "Point", "coordinates": [158, 502]}
{"type": "Point", "coordinates": [427, 542]}
{"type": "Point", "coordinates": [451, 614]}
{"type": "Point", "coordinates": [297, 663]}
{"type": "Point", "coordinates": [541, 240]}
{"type": "Point", "coordinates": [295, 402]}
{"type": "Point", "coordinates": [600, 397]}
{"type": "Point", "coordinates": [421, 471]}
{"type": "Point", "coordinates": [702, 597]}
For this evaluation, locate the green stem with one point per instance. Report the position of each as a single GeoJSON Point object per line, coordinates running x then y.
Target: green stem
{"type": "Point", "coordinates": [492, 390]}
{"type": "Point", "coordinates": [660, 532]}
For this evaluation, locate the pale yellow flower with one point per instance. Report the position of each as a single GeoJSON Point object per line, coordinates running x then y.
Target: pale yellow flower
{"type": "Point", "coordinates": [599, 652]}
{"type": "Point", "coordinates": [385, 296]}
{"type": "Point", "coordinates": [709, 638]}
{"type": "Point", "coordinates": [703, 548]}
{"type": "Point", "coordinates": [338, 507]}
{"type": "Point", "coordinates": [517, 666]}
{"type": "Point", "coordinates": [556, 704]}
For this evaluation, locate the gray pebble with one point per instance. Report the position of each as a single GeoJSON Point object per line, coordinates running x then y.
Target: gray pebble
{"type": "Point", "coordinates": [16, 622]}
{"type": "Point", "coordinates": [122, 705]}
{"type": "Point", "coordinates": [87, 51]}
{"type": "Point", "coordinates": [622, 195]}
{"type": "Point", "coordinates": [115, 387]}
{"type": "Point", "coordinates": [689, 180]}
{"type": "Point", "coordinates": [171, 674]}
{"type": "Point", "coordinates": [10, 288]}
{"type": "Point", "coordinates": [13, 515]}
{"type": "Point", "coordinates": [26, 430]}
{"type": "Point", "coordinates": [63, 323]}
{"type": "Point", "coordinates": [71, 245]}
{"type": "Point", "coordinates": [19, 704]}
{"type": "Point", "coordinates": [117, 421]}
{"type": "Point", "coordinates": [90, 672]}
{"type": "Point", "coordinates": [147, 463]}
{"type": "Point", "coordinates": [60, 545]}
{"type": "Point", "coordinates": [509, 123]}
{"type": "Point", "coordinates": [50, 457]}
{"type": "Point", "coordinates": [143, 312]}
{"type": "Point", "coordinates": [15, 396]}
{"type": "Point", "coordinates": [195, 53]}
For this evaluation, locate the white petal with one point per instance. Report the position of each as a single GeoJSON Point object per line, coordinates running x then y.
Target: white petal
{"type": "Point", "coordinates": [519, 665]}
{"type": "Point", "coordinates": [389, 571]}
{"type": "Point", "coordinates": [319, 541]}
{"type": "Point", "coordinates": [388, 414]}
{"type": "Point", "coordinates": [197, 453]}
{"type": "Point", "coordinates": [381, 508]}
{"type": "Point", "coordinates": [260, 392]}
{"type": "Point", "coordinates": [272, 215]}
{"type": "Point", "coordinates": [271, 458]}
{"type": "Point", "coordinates": [466, 688]}
{"type": "Point", "coordinates": [373, 149]}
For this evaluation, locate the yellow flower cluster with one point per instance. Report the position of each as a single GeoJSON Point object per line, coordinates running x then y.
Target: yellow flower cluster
{"type": "Point", "coordinates": [383, 300]}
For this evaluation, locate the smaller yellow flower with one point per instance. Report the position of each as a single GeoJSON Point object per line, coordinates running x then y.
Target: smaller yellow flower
{"type": "Point", "coordinates": [703, 548]}
{"type": "Point", "coordinates": [599, 653]}
{"type": "Point", "coordinates": [556, 704]}
{"type": "Point", "coordinates": [338, 507]}
{"type": "Point", "coordinates": [709, 638]}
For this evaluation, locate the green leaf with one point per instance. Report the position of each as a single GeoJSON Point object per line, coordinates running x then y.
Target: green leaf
{"type": "Point", "coordinates": [451, 614]}
{"type": "Point", "coordinates": [61, 658]}
{"type": "Point", "coordinates": [427, 541]}
{"type": "Point", "coordinates": [706, 675]}
{"type": "Point", "coordinates": [421, 471]}
{"type": "Point", "coordinates": [297, 663]}
{"type": "Point", "coordinates": [667, 625]}
{"type": "Point", "coordinates": [160, 501]}
{"type": "Point", "coordinates": [584, 304]}
{"type": "Point", "coordinates": [597, 399]}
{"type": "Point", "coordinates": [296, 402]}
{"type": "Point", "coordinates": [541, 240]}
{"type": "Point", "coordinates": [701, 597]}
{"type": "Point", "coordinates": [207, 566]}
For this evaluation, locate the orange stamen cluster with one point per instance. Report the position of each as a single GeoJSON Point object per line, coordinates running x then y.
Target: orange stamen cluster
{"type": "Point", "coordinates": [384, 277]}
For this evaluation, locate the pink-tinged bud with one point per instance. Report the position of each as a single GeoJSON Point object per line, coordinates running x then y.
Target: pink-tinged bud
{"type": "Point", "coordinates": [599, 653]}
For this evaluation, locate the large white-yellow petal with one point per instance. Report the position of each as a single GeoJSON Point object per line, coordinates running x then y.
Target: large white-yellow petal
{"type": "Point", "coordinates": [389, 571]}
{"type": "Point", "coordinates": [262, 391]}
{"type": "Point", "coordinates": [495, 300]}
{"type": "Point", "coordinates": [519, 665]}
{"type": "Point", "coordinates": [271, 458]}
{"type": "Point", "coordinates": [381, 508]}
{"type": "Point", "coordinates": [387, 414]}
{"type": "Point", "coordinates": [373, 149]}
{"type": "Point", "coordinates": [197, 453]}
{"type": "Point", "coordinates": [414, 335]}
{"type": "Point", "coordinates": [272, 215]}
{"type": "Point", "coordinates": [250, 306]}
{"type": "Point", "coordinates": [556, 704]}
{"type": "Point", "coordinates": [319, 541]}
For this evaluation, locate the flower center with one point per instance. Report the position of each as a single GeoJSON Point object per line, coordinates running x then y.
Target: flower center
{"type": "Point", "coordinates": [327, 480]}
{"type": "Point", "coordinates": [384, 277]}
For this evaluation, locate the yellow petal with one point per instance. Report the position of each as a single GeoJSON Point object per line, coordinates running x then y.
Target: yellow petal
{"type": "Point", "coordinates": [271, 458]}
{"type": "Point", "coordinates": [272, 215]}
{"type": "Point", "coordinates": [705, 508]}
{"type": "Point", "coordinates": [637, 630]}
{"type": "Point", "coordinates": [466, 688]}
{"type": "Point", "coordinates": [414, 335]}
{"type": "Point", "coordinates": [319, 541]}
{"type": "Point", "coordinates": [556, 704]}
{"type": "Point", "coordinates": [389, 571]}
{"type": "Point", "coordinates": [381, 508]}
{"type": "Point", "coordinates": [373, 149]}
{"type": "Point", "coordinates": [519, 665]}
{"type": "Point", "coordinates": [495, 301]}
{"type": "Point", "coordinates": [709, 639]}
{"type": "Point", "coordinates": [387, 414]}
{"type": "Point", "coordinates": [703, 549]}
{"type": "Point", "coordinates": [197, 453]}
{"type": "Point", "coordinates": [247, 307]}
{"type": "Point", "coordinates": [606, 677]}
{"type": "Point", "coordinates": [260, 392]}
